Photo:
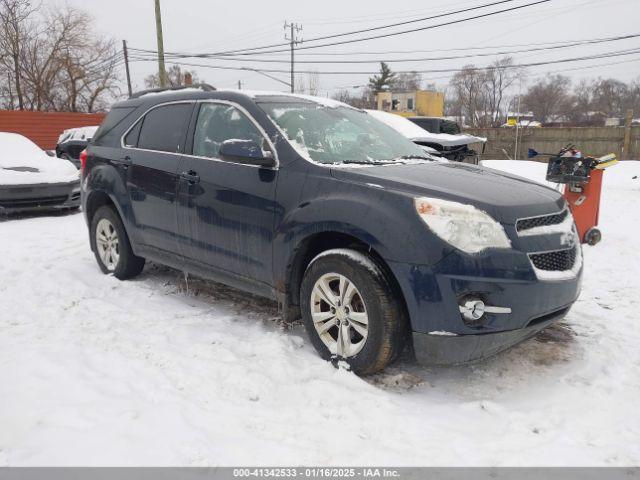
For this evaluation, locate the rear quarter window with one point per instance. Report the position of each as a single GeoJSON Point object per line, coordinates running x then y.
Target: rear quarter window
{"type": "Point", "coordinates": [113, 119]}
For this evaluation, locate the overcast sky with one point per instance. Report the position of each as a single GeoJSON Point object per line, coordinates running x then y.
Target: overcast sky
{"type": "Point", "coordinates": [211, 26]}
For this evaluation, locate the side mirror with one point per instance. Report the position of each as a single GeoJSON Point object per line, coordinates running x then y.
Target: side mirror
{"type": "Point", "coordinates": [246, 151]}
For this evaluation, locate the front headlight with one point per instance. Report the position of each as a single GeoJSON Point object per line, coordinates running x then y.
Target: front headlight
{"type": "Point", "coordinates": [463, 226]}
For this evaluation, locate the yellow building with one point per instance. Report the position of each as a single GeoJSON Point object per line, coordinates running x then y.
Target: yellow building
{"type": "Point", "coordinates": [408, 104]}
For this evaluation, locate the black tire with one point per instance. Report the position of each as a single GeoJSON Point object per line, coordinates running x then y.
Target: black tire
{"type": "Point", "coordinates": [387, 322]}
{"type": "Point", "coordinates": [128, 264]}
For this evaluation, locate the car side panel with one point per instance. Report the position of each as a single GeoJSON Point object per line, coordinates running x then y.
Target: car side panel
{"type": "Point", "coordinates": [106, 177]}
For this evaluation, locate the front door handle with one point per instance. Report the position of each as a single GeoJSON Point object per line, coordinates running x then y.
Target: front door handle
{"type": "Point", "coordinates": [191, 177]}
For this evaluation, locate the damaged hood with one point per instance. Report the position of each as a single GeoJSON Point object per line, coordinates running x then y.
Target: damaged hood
{"type": "Point", "coordinates": [504, 196]}
{"type": "Point", "coordinates": [419, 135]}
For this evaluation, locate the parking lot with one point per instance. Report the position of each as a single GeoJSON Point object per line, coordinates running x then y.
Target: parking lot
{"type": "Point", "coordinates": [166, 370]}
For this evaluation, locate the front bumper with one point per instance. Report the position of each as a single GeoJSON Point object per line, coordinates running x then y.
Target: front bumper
{"type": "Point", "coordinates": [39, 197]}
{"type": "Point", "coordinates": [438, 349]}
{"type": "Point", "coordinates": [504, 278]}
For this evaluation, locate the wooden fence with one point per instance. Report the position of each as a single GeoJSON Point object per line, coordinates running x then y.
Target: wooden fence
{"type": "Point", "coordinates": [595, 141]}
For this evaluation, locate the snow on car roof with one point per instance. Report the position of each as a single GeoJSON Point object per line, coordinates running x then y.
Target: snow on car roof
{"type": "Point", "coordinates": [414, 132]}
{"type": "Point", "coordinates": [327, 102]}
{"type": "Point", "coordinates": [80, 133]}
{"type": "Point", "coordinates": [23, 162]}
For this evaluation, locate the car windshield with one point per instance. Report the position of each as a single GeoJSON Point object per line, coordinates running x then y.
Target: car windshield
{"type": "Point", "coordinates": [335, 135]}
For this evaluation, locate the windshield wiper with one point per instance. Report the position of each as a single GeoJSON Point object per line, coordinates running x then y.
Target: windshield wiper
{"type": "Point", "coordinates": [367, 162]}
{"type": "Point", "coordinates": [415, 157]}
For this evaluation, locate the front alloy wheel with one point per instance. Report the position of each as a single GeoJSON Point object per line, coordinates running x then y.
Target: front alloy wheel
{"type": "Point", "coordinates": [339, 315]}
{"type": "Point", "coordinates": [351, 312]}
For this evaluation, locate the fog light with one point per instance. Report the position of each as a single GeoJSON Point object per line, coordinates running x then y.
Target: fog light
{"type": "Point", "coordinates": [472, 309]}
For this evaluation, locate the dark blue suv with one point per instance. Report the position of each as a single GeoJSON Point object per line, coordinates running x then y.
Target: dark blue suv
{"type": "Point", "coordinates": [335, 215]}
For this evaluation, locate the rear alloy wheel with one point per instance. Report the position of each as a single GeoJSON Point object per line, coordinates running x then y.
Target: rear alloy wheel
{"type": "Point", "coordinates": [107, 244]}
{"type": "Point", "coordinates": [350, 311]}
{"type": "Point", "coordinates": [110, 244]}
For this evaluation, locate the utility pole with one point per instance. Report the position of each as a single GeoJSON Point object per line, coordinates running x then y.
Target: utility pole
{"type": "Point", "coordinates": [515, 150]}
{"type": "Point", "coordinates": [126, 65]}
{"type": "Point", "coordinates": [626, 143]}
{"type": "Point", "coordinates": [239, 84]}
{"type": "Point", "coordinates": [162, 73]}
{"type": "Point", "coordinates": [292, 36]}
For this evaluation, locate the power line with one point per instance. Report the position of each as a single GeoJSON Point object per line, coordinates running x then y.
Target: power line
{"type": "Point", "coordinates": [354, 32]}
{"type": "Point", "coordinates": [616, 53]}
{"type": "Point", "coordinates": [543, 74]}
{"type": "Point", "coordinates": [453, 57]}
{"type": "Point", "coordinates": [252, 51]}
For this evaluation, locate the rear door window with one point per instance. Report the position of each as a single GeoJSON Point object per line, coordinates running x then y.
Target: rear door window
{"type": "Point", "coordinates": [164, 128]}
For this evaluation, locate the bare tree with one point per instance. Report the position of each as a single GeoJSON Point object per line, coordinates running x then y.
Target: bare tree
{"type": "Point", "coordinates": [310, 86]}
{"type": "Point", "coordinates": [632, 100]}
{"type": "Point", "coordinates": [61, 63]}
{"type": "Point", "coordinates": [175, 78]}
{"type": "Point", "coordinates": [500, 77]}
{"type": "Point", "coordinates": [609, 97]}
{"type": "Point", "coordinates": [15, 22]}
{"type": "Point", "coordinates": [313, 81]}
{"type": "Point", "coordinates": [407, 81]}
{"type": "Point", "coordinates": [470, 95]}
{"type": "Point", "coordinates": [548, 98]}
{"type": "Point", "coordinates": [342, 96]}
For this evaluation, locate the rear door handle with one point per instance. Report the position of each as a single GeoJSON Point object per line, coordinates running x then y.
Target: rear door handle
{"type": "Point", "coordinates": [191, 177]}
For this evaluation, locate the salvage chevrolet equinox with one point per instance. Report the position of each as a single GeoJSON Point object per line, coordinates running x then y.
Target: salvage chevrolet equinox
{"type": "Point", "coordinates": [336, 216]}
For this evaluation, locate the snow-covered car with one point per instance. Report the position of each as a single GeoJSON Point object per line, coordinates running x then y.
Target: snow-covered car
{"type": "Point", "coordinates": [73, 141]}
{"type": "Point", "coordinates": [451, 147]}
{"type": "Point", "coordinates": [32, 180]}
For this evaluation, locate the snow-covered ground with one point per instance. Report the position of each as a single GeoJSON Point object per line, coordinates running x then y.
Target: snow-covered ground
{"type": "Point", "coordinates": [158, 371]}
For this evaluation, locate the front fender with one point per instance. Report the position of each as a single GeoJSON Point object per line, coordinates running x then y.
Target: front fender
{"type": "Point", "coordinates": [383, 219]}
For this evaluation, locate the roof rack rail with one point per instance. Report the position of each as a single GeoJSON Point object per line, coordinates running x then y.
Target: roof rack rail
{"type": "Point", "coordinates": [205, 87]}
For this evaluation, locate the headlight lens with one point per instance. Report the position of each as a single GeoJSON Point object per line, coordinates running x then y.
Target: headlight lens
{"type": "Point", "coordinates": [463, 226]}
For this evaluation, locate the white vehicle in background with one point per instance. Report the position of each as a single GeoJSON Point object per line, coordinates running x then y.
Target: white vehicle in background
{"type": "Point", "coordinates": [452, 147]}
{"type": "Point", "coordinates": [32, 180]}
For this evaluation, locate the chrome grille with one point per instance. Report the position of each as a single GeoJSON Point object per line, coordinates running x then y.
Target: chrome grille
{"type": "Point", "coordinates": [543, 221]}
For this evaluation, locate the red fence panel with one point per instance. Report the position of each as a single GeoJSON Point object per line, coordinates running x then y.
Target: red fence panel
{"type": "Point", "coordinates": [44, 128]}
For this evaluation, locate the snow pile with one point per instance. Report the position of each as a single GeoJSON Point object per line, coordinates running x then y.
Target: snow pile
{"type": "Point", "coordinates": [414, 132]}
{"type": "Point", "coordinates": [81, 133]}
{"type": "Point", "coordinates": [534, 171]}
{"type": "Point", "coordinates": [22, 162]}
{"type": "Point", "coordinates": [94, 371]}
